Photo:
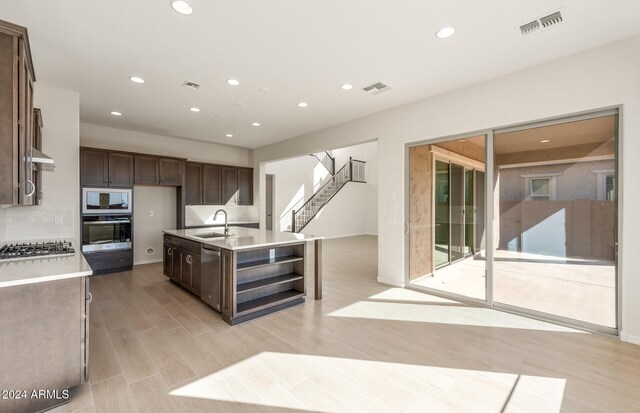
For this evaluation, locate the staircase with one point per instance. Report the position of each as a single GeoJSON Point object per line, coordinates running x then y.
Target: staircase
{"type": "Point", "coordinates": [352, 171]}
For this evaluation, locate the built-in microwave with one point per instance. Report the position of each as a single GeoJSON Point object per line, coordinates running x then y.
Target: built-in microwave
{"type": "Point", "coordinates": [106, 201]}
{"type": "Point", "coordinates": [106, 232]}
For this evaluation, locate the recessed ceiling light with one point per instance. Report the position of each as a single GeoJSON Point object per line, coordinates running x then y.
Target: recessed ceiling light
{"type": "Point", "coordinates": [445, 32]}
{"type": "Point", "coordinates": [115, 113]}
{"type": "Point", "coordinates": [136, 79]}
{"type": "Point", "coordinates": [346, 86]}
{"type": "Point", "coordinates": [233, 82]}
{"type": "Point", "coordinates": [194, 109]}
{"type": "Point", "coordinates": [303, 104]}
{"type": "Point", "coordinates": [544, 140]}
{"type": "Point", "coordinates": [229, 135]}
{"type": "Point", "coordinates": [256, 124]}
{"type": "Point", "coordinates": [182, 7]}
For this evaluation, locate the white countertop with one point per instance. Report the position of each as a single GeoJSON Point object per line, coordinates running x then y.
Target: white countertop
{"type": "Point", "coordinates": [29, 271]}
{"type": "Point", "coordinates": [241, 238]}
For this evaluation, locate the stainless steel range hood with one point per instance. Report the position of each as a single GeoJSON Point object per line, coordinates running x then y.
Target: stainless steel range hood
{"type": "Point", "coordinates": [41, 161]}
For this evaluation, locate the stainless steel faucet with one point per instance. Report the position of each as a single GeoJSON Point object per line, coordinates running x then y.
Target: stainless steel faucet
{"type": "Point", "coordinates": [226, 221]}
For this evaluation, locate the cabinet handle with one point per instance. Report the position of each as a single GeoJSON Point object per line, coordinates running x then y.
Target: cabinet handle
{"type": "Point", "coordinates": [111, 180]}
{"type": "Point", "coordinates": [90, 297]}
{"type": "Point", "coordinates": [169, 251]}
{"type": "Point", "coordinates": [33, 188]}
{"type": "Point", "coordinates": [105, 179]}
{"type": "Point", "coordinates": [189, 259]}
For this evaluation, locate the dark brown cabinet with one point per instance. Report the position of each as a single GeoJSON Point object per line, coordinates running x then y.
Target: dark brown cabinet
{"type": "Point", "coordinates": [229, 184]}
{"type": "Point", "coordinates": [191, 270]}
{"type": "Point", "coordinates": [172, 262]}
{"type": "Point", "coordinates": [245, 186]}
{"type": "Point", "coordinates": [152, 170]}
{"type": "Point", "coordinates": [193, 183]}
{"type": "Point", "coordinates": [37, 144]}
{"type": "Point", "coordinates": [212, 184]}
{"type": "Point", "coordinates": [170, 172]}
{"type": "Point", "coordinates": [182, 262]}
{"type": "Point", "coordinates": [120, 169]}
{"type": "Point", "coordinates": [208, 184]}
{"type": "Point", "coordinates": [94, 167]}
{"type": "Point", "coordinates": [103, 168]}
{"type": "Point", "coordinates": [146, 170]}
{"type": "Point", "coordinates": [16, 116]}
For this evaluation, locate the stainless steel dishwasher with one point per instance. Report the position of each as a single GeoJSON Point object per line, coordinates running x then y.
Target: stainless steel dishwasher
{"type": "Point", "coordinates": [210, 284]}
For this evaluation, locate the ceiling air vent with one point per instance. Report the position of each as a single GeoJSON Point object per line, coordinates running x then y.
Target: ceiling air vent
{"type": "Point", "coordinates": [191, 85]}
{"type": "Point", "coordinates": [542, 23]}
{"type": "Point", "coordinates": [529, 27]}
{"type": "Point", "coordinates": [376, 88]}
{"type": "Point", "coordinates": [550, 20]}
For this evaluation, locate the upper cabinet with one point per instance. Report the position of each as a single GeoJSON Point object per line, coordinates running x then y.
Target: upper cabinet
{"type": "Point", "coordinates": [245, 186]}
{"type": "Point", "coordinates": [170, 172]}
{"type": "Point", "coordinates": [17, 186]}
{"type": "Point", "coordinates": [229, 184]}
{"type": "Point", "coordinates": [103, 168]}
{"type": "Point", "coordinates": [193, 183]}
{"type": "Point", "coordinates": [212, 184]}
{"type": "Point", "coordinates": [120, 169]}
{"type": "Point", "coordinates": [153, 170]}
{"type": "Point", "coordinates": [208, 184]}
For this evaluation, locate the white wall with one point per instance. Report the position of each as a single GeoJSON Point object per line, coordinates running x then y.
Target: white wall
{"type": "Point", "coordinates": [154, 210]}
{"type": "Point", "coordinates": [124, 140]}
{"type": "Point", "coordinates": [60, 138]}
{"type": "Point", "coordinates": [352, 211]}
{"type": "Point", "coordinates": [599, 78]}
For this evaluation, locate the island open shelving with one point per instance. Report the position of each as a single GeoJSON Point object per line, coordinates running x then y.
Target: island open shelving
{"type": "Point", "coordinates": [260, 272]}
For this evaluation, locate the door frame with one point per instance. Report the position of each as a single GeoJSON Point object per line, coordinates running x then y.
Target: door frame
{"type": "Point", "coordinates": [489, 301]}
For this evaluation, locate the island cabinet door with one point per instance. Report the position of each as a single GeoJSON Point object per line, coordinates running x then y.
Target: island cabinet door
{"type": "Point", "coordinates": [167, 260]}
{"type": "Point", "coordinates": [187, 266]}
{"type": "Point", "coordinates": [195, 267]}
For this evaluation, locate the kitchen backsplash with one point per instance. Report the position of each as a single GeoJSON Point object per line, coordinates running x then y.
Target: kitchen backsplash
{"type": "Point", "coordinates": [42, 222]}
{"type": "Point", "coordinates": [198, 215]}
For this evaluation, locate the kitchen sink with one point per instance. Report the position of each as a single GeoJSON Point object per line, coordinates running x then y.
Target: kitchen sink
{"type": "Point", "coordinates": [213, 235]}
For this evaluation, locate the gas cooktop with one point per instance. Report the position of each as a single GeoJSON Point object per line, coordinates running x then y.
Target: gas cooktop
{"type": "Point", "coordinates": [36, 250]}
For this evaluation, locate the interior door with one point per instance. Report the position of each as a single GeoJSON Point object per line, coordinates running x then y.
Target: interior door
{"type": "Point", "coordinates": [269, 202]}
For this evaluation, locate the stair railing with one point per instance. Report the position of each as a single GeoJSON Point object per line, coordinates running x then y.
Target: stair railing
{"type": "Point", "coordinates": [353, 171]}
{"type": "Point", "coordinates": [328, 161]}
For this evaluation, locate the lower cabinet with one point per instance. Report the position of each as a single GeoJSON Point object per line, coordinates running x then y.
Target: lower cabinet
{"type": "Point", "coordinates": [191, 270]}
{"type": "Point", "coordinates": [182, 264]}
{"type": "Point", "coordinates": [103, 262]}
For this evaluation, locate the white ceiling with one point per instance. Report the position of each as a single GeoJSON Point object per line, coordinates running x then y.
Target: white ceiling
{"type": "Point", "coordinates": [301, 50]}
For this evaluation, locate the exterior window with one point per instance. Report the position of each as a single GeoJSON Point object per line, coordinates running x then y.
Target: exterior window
{"type": "Point", "coordinates": [606, 184]}
{"type": "Point", "coordinates": [610, 187]}
{"type": "Point", "coordinates": [540, 189]}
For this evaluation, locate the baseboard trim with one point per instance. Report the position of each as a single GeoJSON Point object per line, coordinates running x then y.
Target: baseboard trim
{"type": "Point", "coordinates": [629, 338]}
{"type": "Point", "coordinates": [391, 282]}
{"type": "Point", "coordinates": [151, 261]}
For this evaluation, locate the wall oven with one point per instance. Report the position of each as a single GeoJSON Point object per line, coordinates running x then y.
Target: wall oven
{"type": "Point", "coordinates": [106, 201]}
{"type": "Point", "coordinates": [106, 232]}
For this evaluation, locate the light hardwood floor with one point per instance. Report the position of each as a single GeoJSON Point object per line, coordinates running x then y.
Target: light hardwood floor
{"type": "Point", "coordinates": [366, 347]}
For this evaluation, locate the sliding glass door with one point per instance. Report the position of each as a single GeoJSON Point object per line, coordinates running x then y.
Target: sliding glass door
{"type": "Point", "coordinates": [445, 229]}
{"type": "Point", "coordinates": [555, 220]}
{"type": "Point", "coordinates": [551, 204]}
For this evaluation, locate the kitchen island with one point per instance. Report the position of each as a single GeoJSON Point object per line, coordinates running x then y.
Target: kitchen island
{"type": "Point", "coordinates": [245, 274]}
{"type": "Point", "coordinates": [44, 310]}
